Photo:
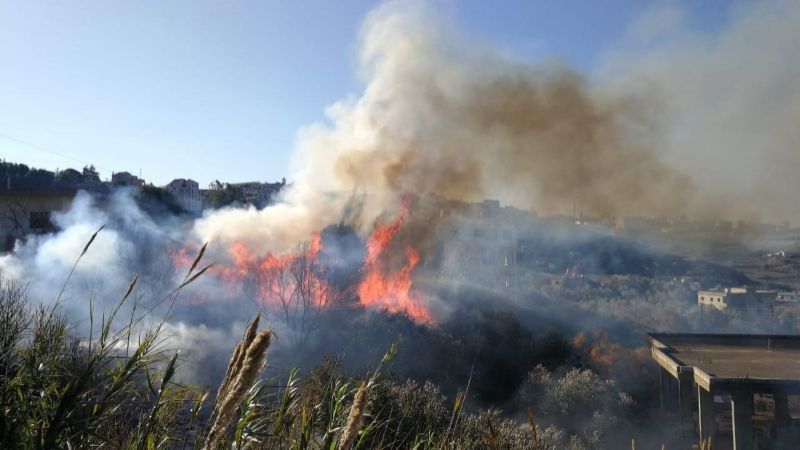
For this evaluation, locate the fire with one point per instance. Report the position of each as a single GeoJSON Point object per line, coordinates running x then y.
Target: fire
{"type": "Point", "coordinates": [280, 279]}
{"type": "Point", "coordinates": [296, 279]}
{"type": "Point", "coordinates": [391, 292]}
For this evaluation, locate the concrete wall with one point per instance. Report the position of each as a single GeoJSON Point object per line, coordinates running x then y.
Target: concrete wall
{"type": "Point", "coordinates": [29, 212]}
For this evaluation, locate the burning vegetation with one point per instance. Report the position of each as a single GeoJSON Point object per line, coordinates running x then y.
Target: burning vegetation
{"type": "Point", "coordinates": [336, 268]}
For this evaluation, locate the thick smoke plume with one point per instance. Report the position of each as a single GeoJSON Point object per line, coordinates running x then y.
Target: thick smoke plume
{"type": "Point", "coordinates": [444, 115]}
{"type": "Point", "coordinates": [729, 102]}
{"type": "Point", "coordinates": [680, 123]}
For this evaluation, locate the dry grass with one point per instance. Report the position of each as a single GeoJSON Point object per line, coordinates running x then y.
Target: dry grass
{"type": "Point", "coordinates": [245, 366]}
{"type": "Point", "coordinates": [355, 418]}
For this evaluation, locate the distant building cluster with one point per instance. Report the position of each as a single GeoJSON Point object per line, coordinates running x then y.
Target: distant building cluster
{"type": "Point", "coordinates": [29, 196]}
{"type": "Point", "coordinates": [743, 298]}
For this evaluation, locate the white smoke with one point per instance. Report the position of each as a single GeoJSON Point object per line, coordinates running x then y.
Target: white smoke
{"type": "Point", "coordinates": [45, 261]}
{"type": "Point", "coordinates": [446, 115]}
{"type": "Point", "coordinates": [131, 244]}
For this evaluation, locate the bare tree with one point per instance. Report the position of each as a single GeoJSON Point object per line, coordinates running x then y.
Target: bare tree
{"type": "Point", "coordinates": [295, 286]}
{"type": "Point", "coordinates": [17, 215]}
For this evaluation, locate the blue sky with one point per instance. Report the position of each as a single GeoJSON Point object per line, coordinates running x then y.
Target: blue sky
{"type": "Point", "coordinates": [217, 89]}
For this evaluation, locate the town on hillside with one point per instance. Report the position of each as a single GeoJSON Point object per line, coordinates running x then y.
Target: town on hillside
{"type": "Point", "coordinates": [29, 196]}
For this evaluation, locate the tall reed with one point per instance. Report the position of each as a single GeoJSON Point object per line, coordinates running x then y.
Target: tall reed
{"type": "Point", "coordinates": [246, 363]}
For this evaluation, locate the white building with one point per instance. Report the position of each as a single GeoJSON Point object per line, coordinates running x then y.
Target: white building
{"type": "Point", "coordinates": [740, 298]}
{"type": "Point", "coordinates": [187, 193]}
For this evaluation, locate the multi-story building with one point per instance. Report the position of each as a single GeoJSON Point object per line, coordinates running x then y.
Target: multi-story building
{"type": "Point", "coordinates": [187, 193]}
{"type": "Point", "coordinates": [126, 179]}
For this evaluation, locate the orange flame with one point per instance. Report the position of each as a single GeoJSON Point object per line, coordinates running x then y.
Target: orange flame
{"type": "Point", "coordinates": [278, 278]}
{"type": "Point", "coordinates": [392, 291]}
{"type": "Point", "coordinates": [283, 277]}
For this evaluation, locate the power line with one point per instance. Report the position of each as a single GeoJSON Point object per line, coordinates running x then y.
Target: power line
{"type": "Point", "coordinates": [43, 149]}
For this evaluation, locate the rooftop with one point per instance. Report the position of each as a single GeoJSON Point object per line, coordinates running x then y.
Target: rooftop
{"type": "Point", "coordinates": [723, 359]}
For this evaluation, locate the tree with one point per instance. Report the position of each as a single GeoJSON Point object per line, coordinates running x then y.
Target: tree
{"type": "Point", "coordinates": [17, 217]}
{"type": "Point", "coordinates": [223, 194]}
{"type": "Point", "coordinates": [69, 177]}
{"type": "Point", "coordinates": [90, 175]}
{"type": "Point", "coordinates": [293, 286]}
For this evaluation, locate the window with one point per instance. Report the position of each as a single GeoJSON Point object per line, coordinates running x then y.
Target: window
{"type": "Point", "coordinates": [40, 221]}
{"type": "Point", "coordinates": [9, 244]}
